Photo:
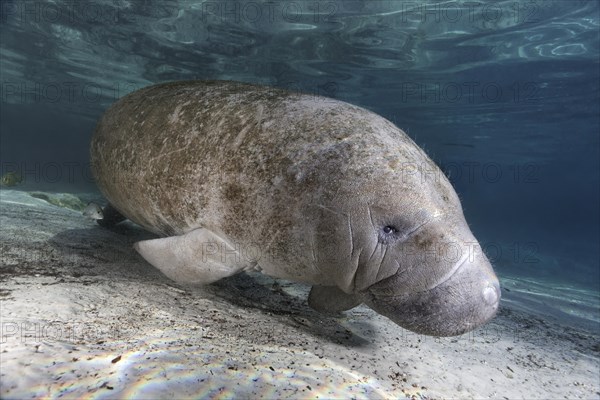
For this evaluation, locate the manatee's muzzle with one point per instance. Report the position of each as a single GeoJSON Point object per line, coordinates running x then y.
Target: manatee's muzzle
{"type": "Point", "coordinates": [466, 299]}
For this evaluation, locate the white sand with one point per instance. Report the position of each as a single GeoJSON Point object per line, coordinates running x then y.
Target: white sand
{"type": "Point", "coordinates": [83, 315]}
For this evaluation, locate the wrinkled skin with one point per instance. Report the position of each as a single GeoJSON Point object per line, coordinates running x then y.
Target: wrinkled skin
{"type": "Point", "coordinates": [428, 272]}
{"type": "Point", "coordinates": [429, 275]}
{"type": "Point", "coordinates": [323, 192]}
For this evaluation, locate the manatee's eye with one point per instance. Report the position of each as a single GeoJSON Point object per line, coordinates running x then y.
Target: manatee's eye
{"type": "Point", "coordinates": [388, 234]}
{"type": "Point", "coordinates": [388, 230]}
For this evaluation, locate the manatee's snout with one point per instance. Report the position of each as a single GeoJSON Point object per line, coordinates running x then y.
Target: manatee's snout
{"type": "Point", "coordinates": [464, 300]}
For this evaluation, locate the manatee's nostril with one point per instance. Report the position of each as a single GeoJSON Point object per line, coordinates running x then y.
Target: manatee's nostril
{"type": "Point", "coordinates": [491, 294]}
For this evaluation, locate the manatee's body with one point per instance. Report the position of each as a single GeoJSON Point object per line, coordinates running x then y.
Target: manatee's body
{"type": "Point", "coordinates": [243, 177]}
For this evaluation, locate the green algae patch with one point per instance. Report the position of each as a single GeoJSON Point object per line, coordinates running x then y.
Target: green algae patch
{"type": "Point", "coordinates": [65, 200]}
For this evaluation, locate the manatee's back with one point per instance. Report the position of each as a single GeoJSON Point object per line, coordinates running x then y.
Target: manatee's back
{"type": "Point", "coordinates": [173, 157]}
{"type": "Point", "coordinates": [160, 153]}
{"type": "Point", "coordinates": [237, 158]}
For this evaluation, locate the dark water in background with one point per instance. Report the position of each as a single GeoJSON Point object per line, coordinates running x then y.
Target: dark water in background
{"type": "Point", "coordinates": [504, 95]}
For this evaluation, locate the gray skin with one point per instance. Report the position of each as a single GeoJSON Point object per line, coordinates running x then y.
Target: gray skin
{"type": "Point", "coordinates": [239, 177]}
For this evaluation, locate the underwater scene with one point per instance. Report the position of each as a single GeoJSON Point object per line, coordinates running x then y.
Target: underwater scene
{"type": "Point", "coordinates": [312, 199]}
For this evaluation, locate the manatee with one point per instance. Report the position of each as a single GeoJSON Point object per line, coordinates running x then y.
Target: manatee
{"type": "Point", "coordinates": [238, 177]}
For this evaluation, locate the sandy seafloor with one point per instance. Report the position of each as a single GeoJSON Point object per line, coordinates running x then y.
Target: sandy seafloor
{"type": "Point", "coordinates": [84, 316]}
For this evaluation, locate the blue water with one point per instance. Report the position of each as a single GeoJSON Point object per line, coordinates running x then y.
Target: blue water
{"type": "Point", "coordinates": [503, 95]}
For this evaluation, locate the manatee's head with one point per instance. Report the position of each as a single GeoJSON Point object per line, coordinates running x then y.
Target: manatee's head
{"type": "Point", "coordinates": [398, 239]}
{"type": "Point", "coordinates": [442, 284]}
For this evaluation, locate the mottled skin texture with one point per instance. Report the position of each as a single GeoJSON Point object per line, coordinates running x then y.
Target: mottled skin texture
{"type": "Point", "coordinates": [307, 188]}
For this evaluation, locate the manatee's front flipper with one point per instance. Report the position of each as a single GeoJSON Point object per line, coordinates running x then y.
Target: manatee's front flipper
{"type": "Point", "coordinates": [332, 299]}
{"type": "Point", "coordinates": [197, 257]}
